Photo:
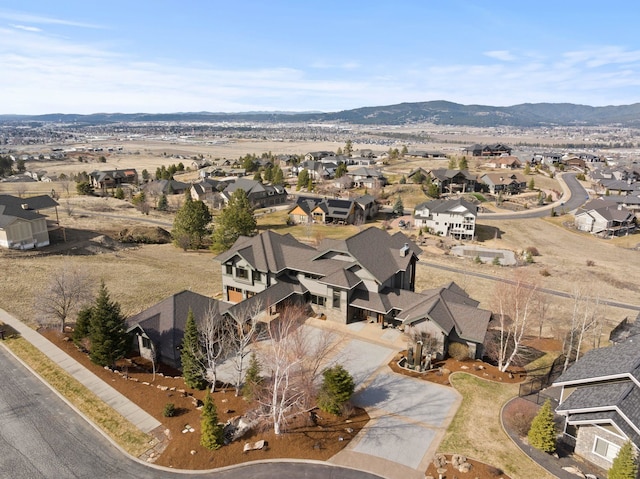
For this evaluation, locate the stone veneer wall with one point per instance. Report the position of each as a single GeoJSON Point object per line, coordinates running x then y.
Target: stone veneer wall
{"type": "Point", "coordinates": [586, 440]}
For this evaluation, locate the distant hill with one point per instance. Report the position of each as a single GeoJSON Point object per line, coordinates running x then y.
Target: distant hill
{"type": "Point", "coordinates": [438, 112]}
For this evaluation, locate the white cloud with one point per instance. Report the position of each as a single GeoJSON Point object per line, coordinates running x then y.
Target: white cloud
{"type": "Point", "coordinates": [504, 55]}
{"type": "Point", "coordinates": [26, 28]}
{"type": "Point", "coordinates": [42, 20]}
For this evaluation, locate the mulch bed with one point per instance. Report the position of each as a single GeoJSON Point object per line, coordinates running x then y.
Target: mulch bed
{"type": "Point", "coordinates": [479, 470]}
{"type": "Point", "coordinates": [302, 439]}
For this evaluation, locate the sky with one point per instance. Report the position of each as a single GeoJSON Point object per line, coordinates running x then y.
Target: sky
{"type": "Point", "coordinates": [165, 56]}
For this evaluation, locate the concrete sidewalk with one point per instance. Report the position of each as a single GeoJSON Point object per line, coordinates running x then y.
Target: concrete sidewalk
{"type": "Point", "coordinates": [132, 412]}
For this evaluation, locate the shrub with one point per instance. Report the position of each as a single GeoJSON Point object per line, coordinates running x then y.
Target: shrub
{"type": "Point", "coordinates": [459, 351]}
{"type": "Point", "coordinates": [520, 416]}
{"type": "Point", "coordinates": [625, 465]}
{"type": "Point", "coordinates": [212, 434]}
{"type": "Point", "coordinates": [590, 262]}
{"type": "Point", "coordinates": [119, 194]}
{"type": "Point", "coordinates": [337, 388]}
{"type": "Point", "coordinates": [477, 260]}
{"type": "Point", "coordinates": [532, 250]}
{"type": "Point", "coordinates": [542, 434]}
{"type": "Point", "coordinates": [169, 410]}
{"type": "Point", "coordinates": [545, 273]}
{"type": "Point", "coordinates": [496, 261]}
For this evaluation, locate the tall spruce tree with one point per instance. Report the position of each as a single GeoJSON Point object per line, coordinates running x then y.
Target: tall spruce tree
{"type": "Point", "coordinates": [237, 219]}
{"type": "Point", "coordinates": [191, 355]}
{"type": "Point", "coordinates": [252, 380]}
{"type": "Point", "coordinates": [625, 465]}
{"type": "Point", "coordinates": [542, 434]}
{"type": "Point", "coordinates": [190, 223]}
{"type": "Point", "coordinates": [211, 432]}
{"type": "Point", "coordinates": [107, 330]}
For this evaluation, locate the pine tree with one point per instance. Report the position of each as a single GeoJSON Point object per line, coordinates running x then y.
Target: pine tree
{"type": "Point", "coordinates": [337, 388]}
{"type": "Point", "coordinates": [625, 465]}
{"type": "Point", "coordinates": [463, 164]}
{"type": "Point", "coordinates": [303, 179]}
{"type": "Point", "coordinates": [190, 223]}
{"type": "Point", "coordinates": [278, 176]}
{"type": "Point", "coordinates": [163, 204]}
{"type": "Point", "coordinates": [237, 219]}
{"type": "Point", "coordinates": [191, 355]}
{"type": "Point", "coordinates": [398, 207]}
{"type": "Point", "coordinates": [532, 184]}
{"type": "Point", "coordinates": [542, 434]}
{"type": "Point", "coordinates": [107, 330]}
{"type": "Point", "coordinates": [83, 324]}
{"type": "Point", "coordinates": [252, 379]}
{"type": "Point", "coordinates": [211, 432]}
{"type": "Point", "coordinates": [119, 194]}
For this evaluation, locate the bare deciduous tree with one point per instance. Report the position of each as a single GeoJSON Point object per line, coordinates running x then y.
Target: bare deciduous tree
{"type": "Point", "coordinates": [514, 305]}
{"type": "Point", "coordinates": [68, 290]}
{"type": "Point", "coordinates": [584, 317]}
{"type": "Point", "coordinates": [214, 337]}
{"type": "Point", "coordinates": [542, 307]}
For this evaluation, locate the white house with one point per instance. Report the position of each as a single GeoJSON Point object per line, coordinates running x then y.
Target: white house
{"type": "Point", "coordinates": [455, 218]}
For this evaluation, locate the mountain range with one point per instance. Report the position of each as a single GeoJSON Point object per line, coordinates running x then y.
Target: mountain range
{"type": "Point", "coordinates": [438, 112]}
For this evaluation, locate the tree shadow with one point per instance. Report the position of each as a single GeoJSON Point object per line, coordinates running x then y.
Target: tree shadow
{"type": "Point", "coordinates": [486, 233]}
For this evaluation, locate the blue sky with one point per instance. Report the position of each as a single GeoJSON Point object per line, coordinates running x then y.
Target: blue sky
{"type": "Point", "coordinates": [169, 56]}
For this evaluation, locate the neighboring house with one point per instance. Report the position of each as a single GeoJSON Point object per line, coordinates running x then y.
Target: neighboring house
{"type": "Point", "coordinates": [259, 195]}
{"type": "Point", "coordinates": [455, 218]}
{"type": "Point", "coordinates": [166, 187]}
{"type": "Point", "coordinates": [160, 328]}
{"type": "Point", "coordinates": [575, 162]}
{"type": "Point", "coordinates": [343, 183]}
{"type": "Point", "coordinates": [364, 177]}
{"type": "Point", "coordinates": [367, 277]}
{"type": "Point", "coordinates": [318, 170]}
{"type": "Point", "coordinates": [207, 190]}
{"type": "Point", "coordinates": [318, 155]}
{"type": "Point", "coordinates": [600, 401]}
{"type": "Point", "coordinates": [605, 218]}
{"type": "Point", "coordinates": [112, 178]}
{"type": "Point", "coordinates": [425, 154]}
{"type": "Point", "coordinates": [624, 330]}
{"type": "Point", "coordinates": [333, 210]}
{"type": "Point", "coordinates": [496, 149]}
{"type": "Point", "coordinates": [451, 181]}
{"type": "Point", "coordinates": [21, 224]}
{"type": "Point", "coordinates": [504, 162]}
{"type": "Point", "coordinates": [412, 174]}
{"type": "Point", "coordinates": [504, 182]}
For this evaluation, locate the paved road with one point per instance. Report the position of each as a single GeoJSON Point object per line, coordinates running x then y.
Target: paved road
{"type": "Point", "coordinates": [554, 292]}
{"type": "Point", "coordinates": [578, 197]}
{"type": "Point", "coordinates": [41, 437]}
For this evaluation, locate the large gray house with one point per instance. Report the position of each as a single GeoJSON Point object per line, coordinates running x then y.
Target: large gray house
{"type": "Point", "coordinates": [367, 277]}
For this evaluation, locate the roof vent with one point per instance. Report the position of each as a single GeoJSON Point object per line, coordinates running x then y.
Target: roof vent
{"type": "Point", "coordinates": [25, 206]}
{"type": "Point", "coordinates": [404, 250]}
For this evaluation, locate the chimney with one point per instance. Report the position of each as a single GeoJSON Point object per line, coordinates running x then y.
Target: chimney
{"type": "Point", "coordinates": [404, 250]}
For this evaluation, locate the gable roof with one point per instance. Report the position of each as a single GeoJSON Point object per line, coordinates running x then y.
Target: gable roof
{"type": "Point", "coordinates": [13, 208]}
{"type": "Point", "coordinates": [448, 206]}
{"type": "Point", "coordinates": [268, 251]}
{"type": "Point", "coordinates": [164, 322]}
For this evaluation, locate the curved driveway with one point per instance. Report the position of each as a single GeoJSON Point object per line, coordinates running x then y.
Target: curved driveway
{"type": "Point", "coordinates": [577, 197]}
{"type": "Point", "coordinates": [42, 437]}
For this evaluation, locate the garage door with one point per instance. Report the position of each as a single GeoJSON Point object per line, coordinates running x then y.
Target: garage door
{"type": "Point", "coordinates": [234, 295]}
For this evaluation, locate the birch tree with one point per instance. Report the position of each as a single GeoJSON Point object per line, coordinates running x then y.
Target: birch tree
{"type": "Point", "coordinates": [214, 338]}
{"type": "Point", "coordinates": [514, 302]}
{"type": "Point", "coordinates": [242, 332]}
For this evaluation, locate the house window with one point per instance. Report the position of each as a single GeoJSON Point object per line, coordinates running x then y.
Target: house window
{"type": "Point", "coordinates": [146, 342]}
{"type": "Point", "coordinates": [319, 300]}
{"type": "Point", "coordinates": [229, 269]}
{"type": "Point", "coordinates": [257, 276]}
{"type": "Point", "coordinates": [605, 449]}
{"type": "Point", "coordinates": [241, 273]}
{"type": "Point", "coordinates": [336, 299]}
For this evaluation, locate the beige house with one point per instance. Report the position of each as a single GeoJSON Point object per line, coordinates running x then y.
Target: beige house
{"type": "Point", "coordinates": [21, 224]}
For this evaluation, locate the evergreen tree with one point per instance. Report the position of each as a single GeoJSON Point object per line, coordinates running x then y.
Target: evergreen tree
{"type": "Point", "coordinates": [303, 179]}
{"type": "Point", "coordinates": [211, 432]}
{"type": "Point", "coordinates": [190, 223]}
{"type": "Point", "coordinates": [452, 164]}
{"type": "Point", "coordinates": [191, 355]}
{"type": "Point", "coordinates": [119, 194]}
{"type": "Point", "coordinates": [107, 330]}
{"type": "Point", "coordinates": [163, 203]}
{"type": "Point", "coordinates": [398, 207]}
{"type": "Point", "coordinates": [625, 465]}
{"type": "Point", "coordinates": [527, 169]}
{"type": "Point", "coordinates": [463, 164]}
{"type": "Point", "coordinates": [341, 170]}
{"type": "Point", "coordinates": [404, 151]}
{"type": "Point", "coordinates": [532, 184]}
{"type": "Point", "coordinates": [278, 176]}
{"type": "Point", "coordinates": [348, 148]}
{"type": "Point", "coordinates": [542, 434]}
{"type": "Point", "coordinates": [310, 184]}
{"type": "Point", "coordinates": [257, 177]}
{"type": "Point", "coordinates": [252, 379]}
{"type": "Point", "coordinates": [337, 388]}
{"type": "Point", "coordinates": [268, 174]}
{"type": "Point", "coordinates": [83, 325]}
{"type": "Point", "coordinates": [237, 219]}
